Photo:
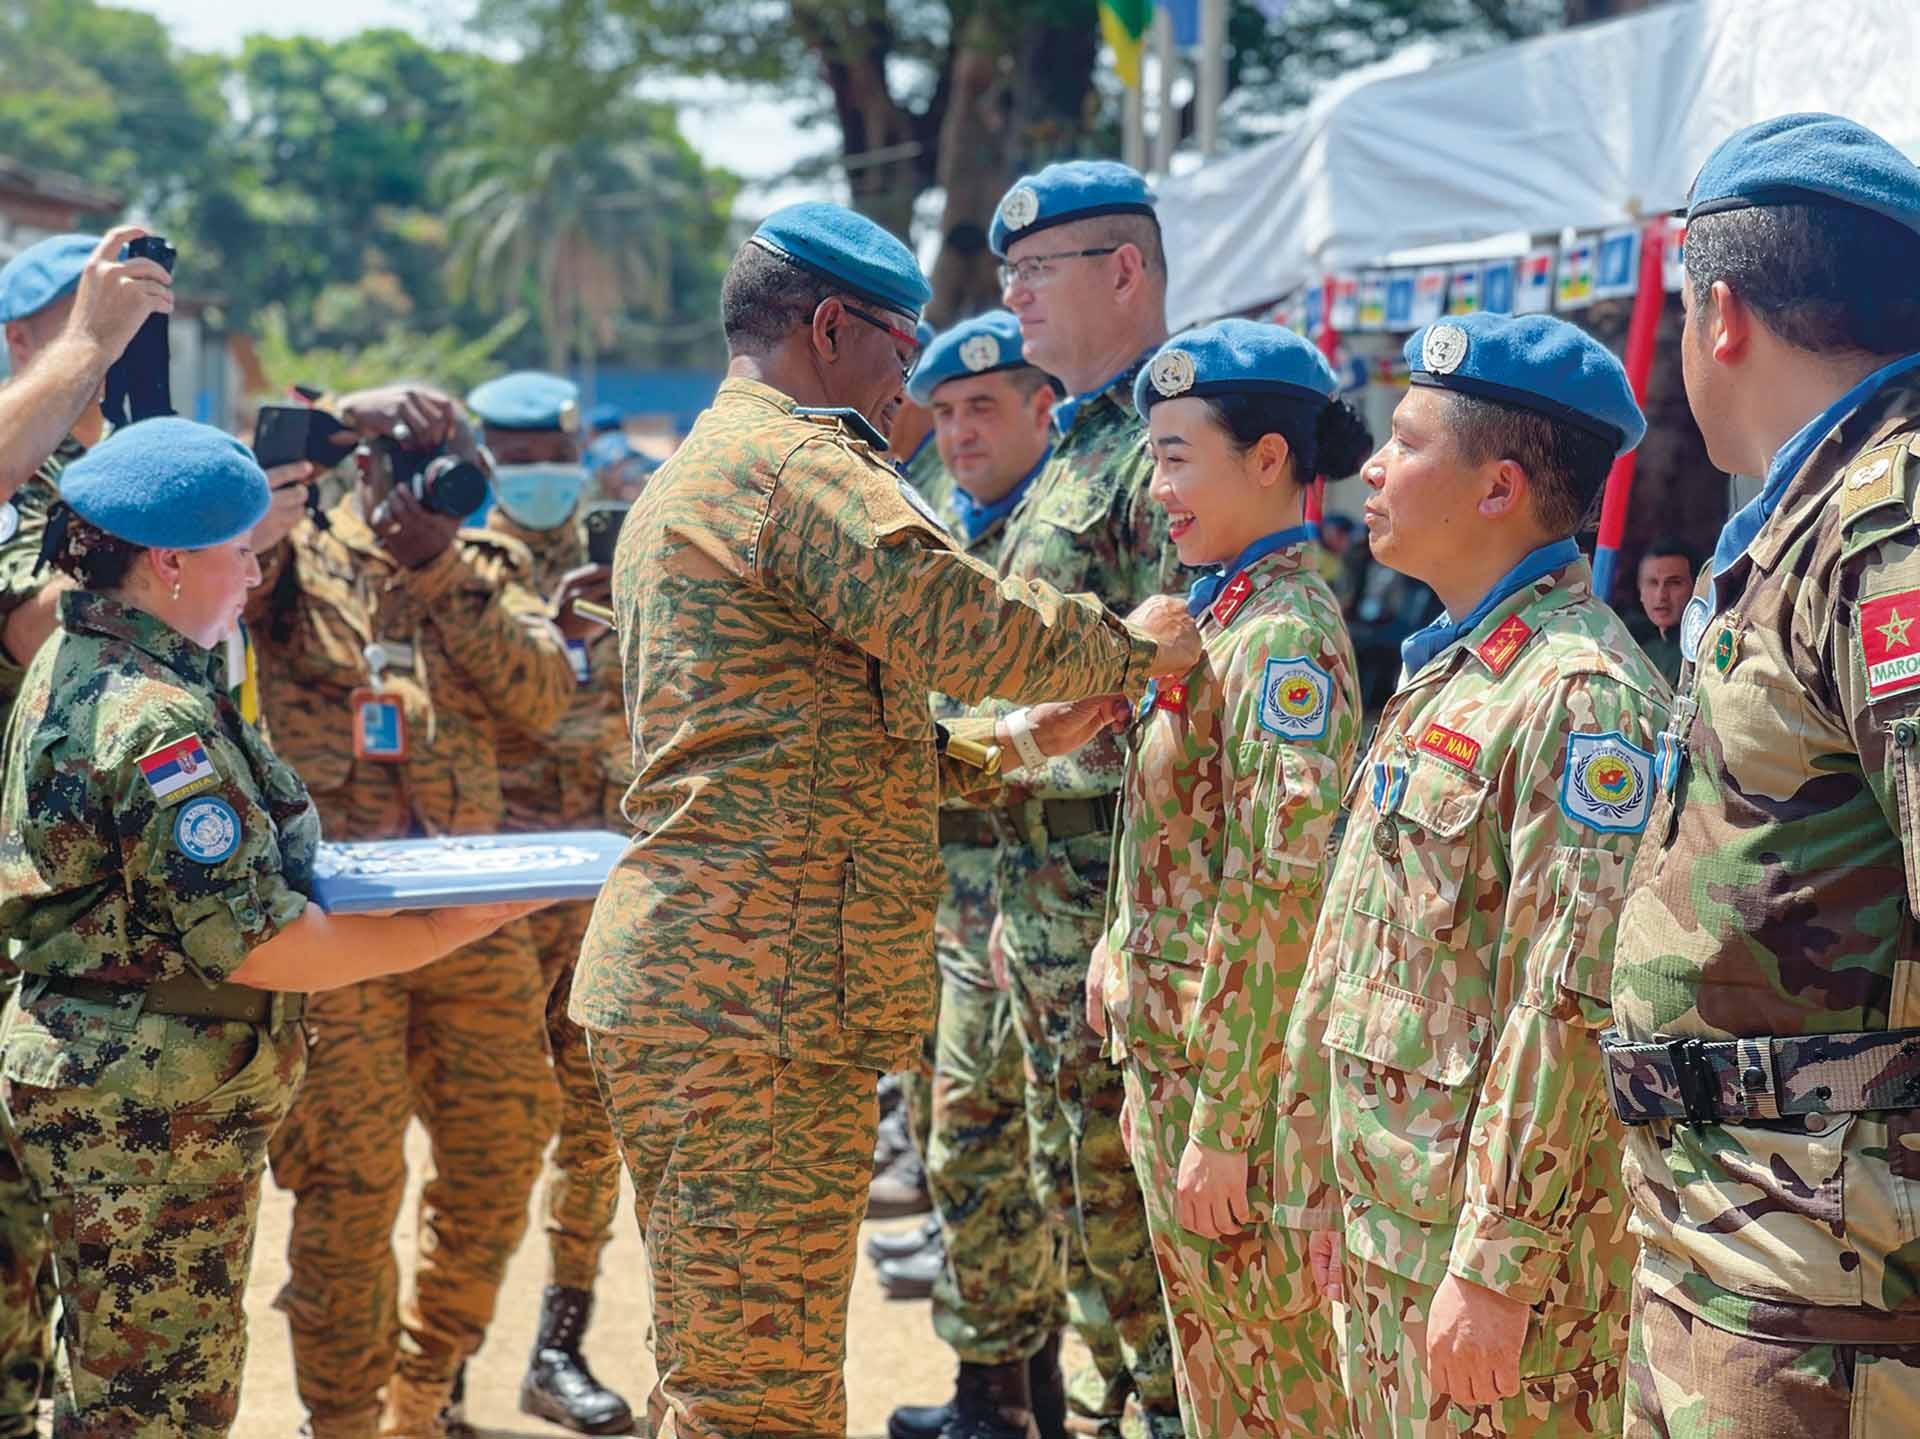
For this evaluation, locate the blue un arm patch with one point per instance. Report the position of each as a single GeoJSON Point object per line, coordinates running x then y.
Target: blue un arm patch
{"type": "Point", "coordinates": [1608, 783]}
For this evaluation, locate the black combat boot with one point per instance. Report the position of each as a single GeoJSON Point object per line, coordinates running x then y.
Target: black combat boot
{"type": "Point", "coordinates": [559, 1387]}
{"type": "Point", "coordinates": [989, 1402]}
{"type": "Point", "coordinates": [1048, 1389]}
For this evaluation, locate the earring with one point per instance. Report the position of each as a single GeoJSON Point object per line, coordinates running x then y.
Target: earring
{"type": "Point", "coordinates": [176, 589]}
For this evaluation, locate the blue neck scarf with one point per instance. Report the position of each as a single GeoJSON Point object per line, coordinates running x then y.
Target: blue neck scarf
{"type": "Point", "coordinates": [1065, 410]}
{"type": "Point", "coordinates": [1745, 524]}
{"type": "Point", "coordinates": [976, 519]}
{"type": "Point", "coordinates": [1422, 645]}
{"type": "Point", "coordinates": [1205, 590]}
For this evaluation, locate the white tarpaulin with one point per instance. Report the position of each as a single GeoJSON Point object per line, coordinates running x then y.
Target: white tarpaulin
{"type": "Point", "coordinates": [1593, 127]}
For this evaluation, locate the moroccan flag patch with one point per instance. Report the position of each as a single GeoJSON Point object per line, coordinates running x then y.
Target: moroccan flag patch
{"type": "Point", "coordinates": [1889, 633]}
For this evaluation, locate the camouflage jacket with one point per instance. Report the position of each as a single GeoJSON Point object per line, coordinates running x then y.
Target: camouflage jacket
{"type": "Point", "coordinates": [20, 553]}
{"type": "Point", "coordinates": [785, 611]}
{"type": "Point", "coordinates": [473, 653]}
{"type": "Point", "coordinates": [111, 871]}
{"type": "Point", "coordinates": [1087, 526]}
{"type": "Point", "coordinates": [1442, 1072]}
{"type": "Point", "coordinates": [1776, 896]}
{"type": "Point", "coordinates": [1228, 809]}
{"type": "Point", "coordinates": [556, 778]}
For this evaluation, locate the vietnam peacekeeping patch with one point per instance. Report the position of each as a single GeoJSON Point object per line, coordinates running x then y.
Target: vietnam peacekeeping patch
{"type": "Point", "coordinates": [1608, 784]}
{"type": "Point", "coordinates": [207, 829]}
{"type": "Point", "coordinates": [1295, 698]}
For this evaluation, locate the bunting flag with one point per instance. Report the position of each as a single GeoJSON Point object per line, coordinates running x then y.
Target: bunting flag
{"type": "Point", "coordinates": [1534, 292]}
{"type": "Point", "coordinates": [1124, 25]}
{"type": "Point", "coordinates": [1617, 267]}
{"type": "Point", "coordinates": [1574, 289]}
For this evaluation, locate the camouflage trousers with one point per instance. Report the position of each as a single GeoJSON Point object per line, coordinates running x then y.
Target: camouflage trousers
{"type": "Point", "coordinates": [459, 1042]}
{"type": "Point", "coordinates": [1569, 1368]}
{"type": "Point", "coordinates": [1688, 1379]}
{"type": "Point", "coordinates": [152, 1184]}
{"type": "Point", "coordinates": [583, 1191]}
{"type": "Point", "coordinates": [26, 1300]}
{"type": "Point", "coordinates": [1254, 1352]}
{"type": "Point", "coordinates": [750, 1179]}
{"type": "Point", "coordinates": [1051, 910]}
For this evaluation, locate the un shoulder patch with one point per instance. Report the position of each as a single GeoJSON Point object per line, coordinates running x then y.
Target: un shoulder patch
{"type": "Point", "coordinates": [1608, 784]}
{"type": "Point", "coordinates": [207, 829]}
{"type": "Point", "coordinates": [1296, 696]}
{"type": "Point", "coordinates": [1693, 627]}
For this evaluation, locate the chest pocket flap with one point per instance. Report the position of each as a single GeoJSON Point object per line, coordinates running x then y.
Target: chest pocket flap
{"type": "Point", "coordinates": [1398, 1029]}
{"type": "Point", "coordinates": [1430, 821]}
{"type": "Point", "coordinates": [1081, 503]}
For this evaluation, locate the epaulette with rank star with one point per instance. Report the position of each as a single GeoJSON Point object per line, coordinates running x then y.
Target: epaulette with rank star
{"type": "Point", "coordinates": [1497, 650]}
{"type": "Point", "coordinates": [1236, 594]}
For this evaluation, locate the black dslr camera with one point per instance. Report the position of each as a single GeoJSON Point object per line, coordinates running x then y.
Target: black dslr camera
{"type": "Point", "coordinates": [602, 522]}
{"type": "Point", "coordinates": [137, 386]}
{"type": "Point", "coordinates": [445, 482]}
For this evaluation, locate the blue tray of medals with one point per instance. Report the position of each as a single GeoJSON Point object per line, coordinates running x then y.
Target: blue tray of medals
{"type": "Point", "coordinates": [470, 869]}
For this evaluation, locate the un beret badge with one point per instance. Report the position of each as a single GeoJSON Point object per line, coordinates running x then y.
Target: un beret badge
{"type": "Point", "coordinates": [1172, 372]}
{"type": "Point", "coordinates": [1443, 349]}
{"type": "Point", "coordinates": [982, 352]}
{"type": "Point", "coordinates": [1021, 207]}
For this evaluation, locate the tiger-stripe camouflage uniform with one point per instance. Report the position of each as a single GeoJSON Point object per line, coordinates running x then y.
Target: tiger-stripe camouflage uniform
{"type": "Point", "coordinates": [469, 651]}
{"type": "Point", "coordinates": [784, 613]}
{"type": "Point", "coordinates": [1443, 1100]}
{"type": "Point", "coordinates": [1780, 1224]}
{"type": "Point", "coordinates": [1228, 810]}
{"type": "Point", "coordinates": [26, 1274]}
{"type": "Point", "coordinates": [551, 780]}
{"type": "Point", "coordinates": [1086, 526]}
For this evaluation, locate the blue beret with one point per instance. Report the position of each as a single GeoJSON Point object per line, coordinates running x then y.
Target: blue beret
{"type": "Point", "coordinates": [169, 483]}
{"type": "Point", "coordinates": [1235, 357]}
{"type": "Point", "coordinates": [608, 449]}
{"type": "Point", "coordinates": [978, 346]}
{"type": "Point", "coordinates": [924, 333]}
{"type": "Point", "coordinates": [848, 250]}
{"type": "Point", "coordinates": [1532, 362]}
{"type": "Point", "coordinates": [527, 400]}
{"type": "Point", "coordinates": [45, 271]}
{"type": "Point", "coordinates": [1067, 191]}
{"type": "Point", "coordinates": [605, 417]}
{"type": "Point", "coordinates": [1808, 159]}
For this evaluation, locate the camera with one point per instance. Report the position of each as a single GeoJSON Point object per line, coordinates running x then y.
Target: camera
{"type": "Point", "coordinates": [602, 522]}
{"type": "Point", "coordinates": [445, 482]}
{"type": "Point", "coordinates": [138, 386]}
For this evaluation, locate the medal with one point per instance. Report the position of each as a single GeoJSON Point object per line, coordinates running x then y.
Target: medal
{"type": "Point", "coordinates": [1386, 838]}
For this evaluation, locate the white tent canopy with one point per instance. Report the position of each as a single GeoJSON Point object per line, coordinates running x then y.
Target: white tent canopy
{"type": "Point", "coordinates": [1593, 127]}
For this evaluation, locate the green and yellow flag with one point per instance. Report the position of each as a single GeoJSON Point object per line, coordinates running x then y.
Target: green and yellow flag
{"type": "Point", "coordinates": [1124, 25]}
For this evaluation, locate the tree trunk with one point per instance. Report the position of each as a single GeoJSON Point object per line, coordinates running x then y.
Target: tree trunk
{"type": "Point", "coordinates": [878, 140]}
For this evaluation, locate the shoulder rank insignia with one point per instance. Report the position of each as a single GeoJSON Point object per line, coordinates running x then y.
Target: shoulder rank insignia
{"type": "Point", "coordinates": [1231, 598]}
{"type": "Point", "coordinates": [1498, 649]}
{"type": "Point", "coordinates": [1874, 479]}
{"type": "Point", "coordinates": [857, 425]}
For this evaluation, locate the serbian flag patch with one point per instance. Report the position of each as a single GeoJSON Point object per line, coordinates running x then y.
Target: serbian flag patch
{"type": "Point", "coordinates": [178, 769]}
{"type": "Point", "coordinates": [1889, 632]}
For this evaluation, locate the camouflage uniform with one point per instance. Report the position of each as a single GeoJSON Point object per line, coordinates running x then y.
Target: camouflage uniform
{"type": "Point", "coordinates": [26, 1271]}
{"type": "Point", "coordinates": [1230, 800]}
{"type": "Point", "coordinates": [1775, 897]}
{"type": "Point", "coordinates": [1086, 525]}
{"type": "Point", "coordinates": [552, 780]}
{"type": "Point", "coordinates": [1443, 1098]}
{"type": "Point", "coordinates": [460, 1041]}
{"type": "Point", "coordinates": [146, 1131]}
{"type": "Point", "coordinates": [785, 612]}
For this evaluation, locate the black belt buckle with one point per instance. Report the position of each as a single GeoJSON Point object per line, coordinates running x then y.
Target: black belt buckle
{"type": "Point", "coordinates": [1693, 1077]}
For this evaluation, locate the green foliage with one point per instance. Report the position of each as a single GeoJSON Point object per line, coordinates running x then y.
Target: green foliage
{"type": "Point", "coordinates": [445, 359]}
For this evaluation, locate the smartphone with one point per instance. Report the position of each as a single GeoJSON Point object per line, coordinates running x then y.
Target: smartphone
{"type": "Point", "coordinates": [284, 434]}
{"type": "Point", "coordinates": [603, 520]}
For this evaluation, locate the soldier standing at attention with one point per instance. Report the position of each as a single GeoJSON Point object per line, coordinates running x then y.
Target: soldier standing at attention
{"type": "Point", "coordinates": [1445, 1119]}
{"type": "Point", "coordinates": [1084, 270]}
{"type": "Point", "coordinates": [1767, 986]}
{"type": "Point", "coordinates": [1231, 792]}
{"type": "Point", "coordinates": [764, 947]}
{"type": "Point", "coordinates": [155, 858]}
{"type": "Point", "coordinates": [397, 650]}
{"type": "Point", "coordinates": [552, 779]}
{"type": "Point", "coordinates": [997, 1286]}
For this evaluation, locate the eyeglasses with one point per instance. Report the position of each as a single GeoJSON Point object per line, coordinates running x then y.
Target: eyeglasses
{"type": "Point", "coordinates": [898, 335]}
{"type": "Point", "coordinates": [1034, 269]}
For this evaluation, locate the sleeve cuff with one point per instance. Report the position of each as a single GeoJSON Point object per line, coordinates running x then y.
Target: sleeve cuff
{"type": "Point", "coordinates": [1139, 663]}
{"type": "Point", "coordinates": [1504, 1254]}
{"type": "Point", "coordinates": [439, 575]}
{"type": "Point", "coordinates": [1224, 1124]}
{"type": "Point", "coordinates": [237, 922]}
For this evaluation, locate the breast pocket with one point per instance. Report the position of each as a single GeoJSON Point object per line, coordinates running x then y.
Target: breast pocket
{"type": "Point", "coordinates": [1404, 1089]}
{"type": "Point", "coordinates": [1424, 840]}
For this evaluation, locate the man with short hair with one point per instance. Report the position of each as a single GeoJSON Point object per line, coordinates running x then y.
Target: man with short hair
{"type": "Point", "coordinates": [1767, 984]}
{"type": "Point", "coordinates": [1666, 580]}
{"type": "Point", "coordinates": [785, 606]}
{"type": "Point", "coordinates": [1085, 273]}
{"type": "Point", "coordinates": [1447, 1141]}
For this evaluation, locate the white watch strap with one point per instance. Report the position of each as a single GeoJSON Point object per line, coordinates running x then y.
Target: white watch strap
{"type": "Point", "coordinates": [1020, 731]}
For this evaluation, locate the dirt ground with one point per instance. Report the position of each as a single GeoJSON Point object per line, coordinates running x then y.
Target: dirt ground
{"type": "Point", "coordinates": [892, 1354]}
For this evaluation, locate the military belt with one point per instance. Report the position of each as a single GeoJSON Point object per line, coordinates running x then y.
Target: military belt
{"type": "Point", "coordinates": [186, 997]}
{"type": "Point", "coordinates": [1040, 822]}
{"type": "Point", "coordinates": [1701, 1081]}
{"type": "Point", "coordinates": [969, 826]}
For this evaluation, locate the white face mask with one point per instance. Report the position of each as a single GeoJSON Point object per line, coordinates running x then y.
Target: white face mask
{"type": "Point", "coordinates": [541, 497]}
